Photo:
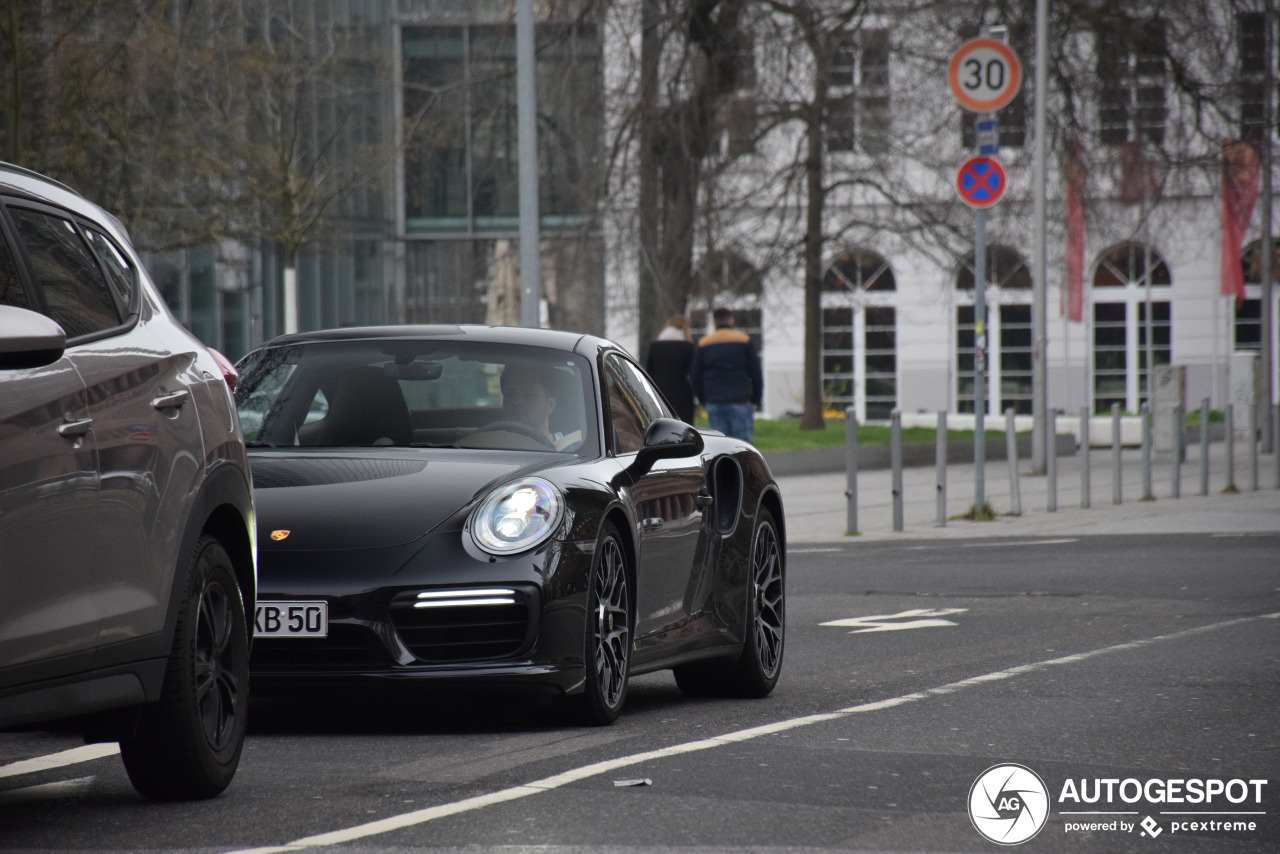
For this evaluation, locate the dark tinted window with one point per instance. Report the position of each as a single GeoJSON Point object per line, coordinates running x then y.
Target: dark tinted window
{"type": "Point", "coordinates": [69, 278]}
{"type": "Point", "coordinates": [11, 291]}
{"type": "Point", "coordinates": [633, 404]}
{"type": "Point", "coordinates": [120, 275]}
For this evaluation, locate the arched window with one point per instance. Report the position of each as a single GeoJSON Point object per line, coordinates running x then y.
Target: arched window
{"type": "Point", "coordinates": [1248, 315]}
{"type": "Point", "coordinates": [1008, 335]}
{"type": "Point", "coordinates": [859, 335]}
{"type": "Point", "coordinates": [1121, 328]}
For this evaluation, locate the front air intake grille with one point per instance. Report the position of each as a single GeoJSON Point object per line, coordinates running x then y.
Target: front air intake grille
{"type": "Point", "coordinates": [348, 647]}
{"type": "Point", "coordinates": [461, 624]}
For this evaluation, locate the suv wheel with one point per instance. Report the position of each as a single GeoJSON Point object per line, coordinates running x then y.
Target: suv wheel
{"type": "Point", "coordinates": [189, 742]}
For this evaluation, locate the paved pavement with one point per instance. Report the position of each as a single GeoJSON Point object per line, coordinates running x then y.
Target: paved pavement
{"type": "Point", "coordinates": [816, 507]}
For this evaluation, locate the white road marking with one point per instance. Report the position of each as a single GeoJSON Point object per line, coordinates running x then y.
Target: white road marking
{"type": "Point", "coordinates": [44, 792]}
{"type": "Point", "coordinates": [411, 819]}
{"type": "Point", "coordinates": [909, 620]}
{"type": "Point", "coordinates": [1019, 544]}
{"type": "Point", "coordinates": [58, 760]}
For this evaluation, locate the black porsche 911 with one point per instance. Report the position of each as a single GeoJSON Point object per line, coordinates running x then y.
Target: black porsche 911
{"type": "Point", "coordinates": [501, 508]}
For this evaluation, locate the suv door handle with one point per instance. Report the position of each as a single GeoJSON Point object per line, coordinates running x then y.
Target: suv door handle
{"type": "Point", "coordinates": [703, 500]}
{"type": "Point", "coordinates": [74, 428]}
{"type": "Point", "coordinates": [653, 523]}
{"type": "Point", "coordinates": [175, 400]}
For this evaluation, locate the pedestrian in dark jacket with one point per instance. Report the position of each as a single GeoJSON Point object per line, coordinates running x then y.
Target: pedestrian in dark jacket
{"type": "Point", "coordinates": [727, 378]}
{"type": "Point", "coordinates": [668, 363]}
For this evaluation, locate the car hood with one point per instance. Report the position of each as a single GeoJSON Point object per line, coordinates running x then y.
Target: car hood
{"type": "Point", "coordinates": [358, 499]}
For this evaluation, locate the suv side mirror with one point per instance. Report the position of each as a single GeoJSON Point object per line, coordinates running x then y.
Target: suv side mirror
{"type": "Point", "coordinates": [28, 339]}
{"type": "Point", "coordinates": [666, 439]}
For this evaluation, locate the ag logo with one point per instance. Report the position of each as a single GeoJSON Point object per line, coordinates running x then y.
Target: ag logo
{"type": "Point", "coordinates": [1008, 804]}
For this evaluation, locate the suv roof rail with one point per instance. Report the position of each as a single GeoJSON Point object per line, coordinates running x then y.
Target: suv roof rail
{"type": "Point", "coordinates": [22, 170]}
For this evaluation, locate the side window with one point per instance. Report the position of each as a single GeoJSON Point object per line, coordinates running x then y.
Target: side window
{"type": "Point", "coordinates": [120, 275]}
{"type": "Point", "coordinates": [74, 289]}
{"type": "Point", "coordinates": [11, 290]}
{"type": "Point", "coordinates": [625, 422]}
{"type": "Point", "coordinates": [633, 404]}
{"type": "Point", "coordinates": [647, 400]}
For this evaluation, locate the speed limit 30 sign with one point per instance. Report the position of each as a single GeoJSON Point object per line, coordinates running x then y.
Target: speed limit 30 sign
{"type": "Point", "coordinates": [984, 75]}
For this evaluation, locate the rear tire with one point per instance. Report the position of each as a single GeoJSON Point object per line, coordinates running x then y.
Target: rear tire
{"type": "Point", "coordinates": [607, 653]}
{"type": "Point", "coordinates": [189, 742]}
{"type": "Point", "coordinates": [755, 673]}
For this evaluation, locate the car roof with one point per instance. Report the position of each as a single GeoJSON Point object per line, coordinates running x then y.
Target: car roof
{"type": "Point", "coordinates": [551, 338]}
{"type": "Point", "coordinates": [24, 182]}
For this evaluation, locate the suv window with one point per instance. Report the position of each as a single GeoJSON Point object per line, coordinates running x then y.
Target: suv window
{"type": "Point", "coordinates": [120, 273]}
{"type": "Point", "coordinates": [75, 292]}
{"type": "Point", "coordinates": [11, 290]}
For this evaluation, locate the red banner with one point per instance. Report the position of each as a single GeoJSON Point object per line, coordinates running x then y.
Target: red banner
{"type": "Point", "coordinates": [1076, 173]}
{"type": "Point", "coordinates": [1239, 191]}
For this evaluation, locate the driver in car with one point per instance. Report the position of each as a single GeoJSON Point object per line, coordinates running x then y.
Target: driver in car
{"type": "Point", "coordinates": [529, 397]}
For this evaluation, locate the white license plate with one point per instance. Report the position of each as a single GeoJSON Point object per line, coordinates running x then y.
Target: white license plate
{"type": "Point", "coordinates": [291, 620]}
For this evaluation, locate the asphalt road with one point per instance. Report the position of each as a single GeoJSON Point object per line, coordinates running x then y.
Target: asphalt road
{"type": "Point", "coordinates": [1083, 659]}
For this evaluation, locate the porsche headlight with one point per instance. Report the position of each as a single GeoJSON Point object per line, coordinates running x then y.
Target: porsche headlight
{"type": "Point", "coordinates": [517, 516]}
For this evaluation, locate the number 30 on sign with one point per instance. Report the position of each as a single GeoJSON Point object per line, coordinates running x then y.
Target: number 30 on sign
{"type": "Point", "coordinates": [984, 75]}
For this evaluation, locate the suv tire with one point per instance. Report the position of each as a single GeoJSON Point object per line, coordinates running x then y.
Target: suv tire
{"type": "Point", "coordinates": [189, 742]}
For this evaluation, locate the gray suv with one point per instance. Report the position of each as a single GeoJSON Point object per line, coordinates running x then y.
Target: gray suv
{"type": "Point", "coordinates": [127, 553]}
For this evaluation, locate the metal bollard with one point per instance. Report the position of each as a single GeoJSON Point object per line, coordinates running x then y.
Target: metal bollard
{"type": "Point", "coordinates": [1115, 454]}
{"type": "Point", "coordinates": [1230, 427]}
{"type": "Point", "coordinates": [1145, 413]}
{"type": "Point", "coordinates": [1051, 459]}
{"type": "Point", "coordinates": [1175, 477]}
{"type": "Point", "coordinates": [1084, 458]}
{"type": "Point", "coordinates": [1253, 447]}
{"type": "Point", "coordinates": [941, 454]}
{"type": "Point", "coordinates": [1204, 446]}
{"type": "Point", "coordinates": [1275, 441]}
{"type": "Point", "coordinates": [1011, 451]}
{"type": "Point", "coordinates": [850, 471]}
{"type": "Point", "coordinates": [895, 460]}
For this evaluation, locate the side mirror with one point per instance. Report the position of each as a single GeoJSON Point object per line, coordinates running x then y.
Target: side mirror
{"type": "Point", "coordinates": [666, 439]}
{"type": "Point", "coordinates": [28, 339]}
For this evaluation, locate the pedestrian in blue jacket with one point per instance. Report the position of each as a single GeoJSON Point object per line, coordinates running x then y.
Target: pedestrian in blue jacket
{"type": "Point", "coordinates": [726, 377]}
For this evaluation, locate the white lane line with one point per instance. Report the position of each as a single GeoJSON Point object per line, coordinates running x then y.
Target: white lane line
{"type": "Point", "coordinates": [59, 760]}
{"type": "Point", "coordinates": [1019, 544]}
{"type": "Point", "coordinates": [411, 819]}
{"type": "Point", "coordinates": [45, 792]}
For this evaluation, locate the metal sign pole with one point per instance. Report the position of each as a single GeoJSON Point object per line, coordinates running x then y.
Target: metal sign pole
{"type": "Point", "coordinates": [979, 358]}
{"type": "Point", "coordinates": [527, 154]}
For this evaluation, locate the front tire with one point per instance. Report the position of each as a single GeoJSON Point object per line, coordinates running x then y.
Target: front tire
{"type": "Point", "coordinates": [756, 671]}
{"type": "Point", "coordinates": [608, 634]}
{"type": "Point", "coordinates": [189, 742]}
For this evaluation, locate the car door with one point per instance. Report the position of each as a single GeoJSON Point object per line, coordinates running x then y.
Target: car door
{"type": "Point", "coordinates": [48, 500]}
{"type": "Point", "coordinates": [668, 501]}
{"type": "Point", "coordinates": [144, 423]}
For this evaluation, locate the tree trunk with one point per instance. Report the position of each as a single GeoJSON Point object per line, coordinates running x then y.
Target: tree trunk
{"type": "Point", "coordinates": [815, 202]}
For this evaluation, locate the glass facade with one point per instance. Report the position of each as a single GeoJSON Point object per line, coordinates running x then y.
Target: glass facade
{"type": "Point", "coordinates": [459, 98]}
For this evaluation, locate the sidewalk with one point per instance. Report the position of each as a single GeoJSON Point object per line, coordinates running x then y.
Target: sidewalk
{"type": "Point", "coordinates": [816, 507]}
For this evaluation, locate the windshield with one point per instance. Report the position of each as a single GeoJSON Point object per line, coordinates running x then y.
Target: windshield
{"type": "Point", "coordinates": [419, 393]}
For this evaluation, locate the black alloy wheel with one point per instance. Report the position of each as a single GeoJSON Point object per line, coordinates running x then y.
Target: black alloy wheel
{"type": "Point", "coordinates": [608, 633]}
{"type": "Point", "coordinates": [756, 671]}
{"type": "Point", "coordinates": [189, 743]}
